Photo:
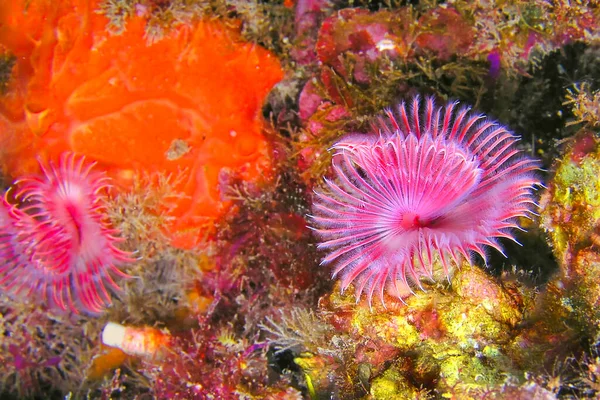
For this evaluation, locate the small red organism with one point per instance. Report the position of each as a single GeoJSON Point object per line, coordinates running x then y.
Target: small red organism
{"type": "Point", "coordinates": [430, 184]}
{"type": "Point", "coordinates": [58, 245]}
{"type": "Point", "coordinates": [584, 143]}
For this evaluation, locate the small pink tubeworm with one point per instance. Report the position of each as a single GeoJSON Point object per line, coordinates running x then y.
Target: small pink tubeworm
{"type": "Point", "coordinates": [58, 245]}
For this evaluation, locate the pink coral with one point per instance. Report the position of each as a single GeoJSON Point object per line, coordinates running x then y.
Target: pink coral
{"type": "Point", "coordinates": [432, 184]}
{"type": "Point", "coordinates": [59, 245]}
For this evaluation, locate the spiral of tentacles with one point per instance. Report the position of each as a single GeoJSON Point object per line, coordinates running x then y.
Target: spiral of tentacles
{"type": "Point", "coordinates": [431, 186]}
{"type": "Point", "coordinates": [59, 245]}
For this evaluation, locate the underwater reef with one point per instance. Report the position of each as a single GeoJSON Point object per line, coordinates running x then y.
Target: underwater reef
{"type": "Point", "coordinates": [289, 199]}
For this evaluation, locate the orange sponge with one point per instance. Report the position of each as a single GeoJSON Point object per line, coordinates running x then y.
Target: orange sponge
{"type": "Point", "coordinates": [190, 101]}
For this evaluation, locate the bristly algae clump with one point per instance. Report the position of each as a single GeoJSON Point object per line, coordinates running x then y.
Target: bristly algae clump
{"type": "Point", "coordinates": [43, 355]}
{"type": "Point", "coordinates": [264, 23]}
{"type": "Point", "coordinates": [586, 104]}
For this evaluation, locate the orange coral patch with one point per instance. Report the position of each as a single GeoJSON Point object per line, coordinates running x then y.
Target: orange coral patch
{"type": "Point", "coordinates": [189, 101]}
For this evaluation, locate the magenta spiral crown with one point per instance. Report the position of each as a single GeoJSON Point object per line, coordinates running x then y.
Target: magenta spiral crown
{"type": "Point", "coordinates": [58, 246]}
{"type": "Point", "coordinates": [432, 183]}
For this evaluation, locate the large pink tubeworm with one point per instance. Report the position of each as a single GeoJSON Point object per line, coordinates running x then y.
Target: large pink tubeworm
{"type": "Point", "coordinates": [431, 183]}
